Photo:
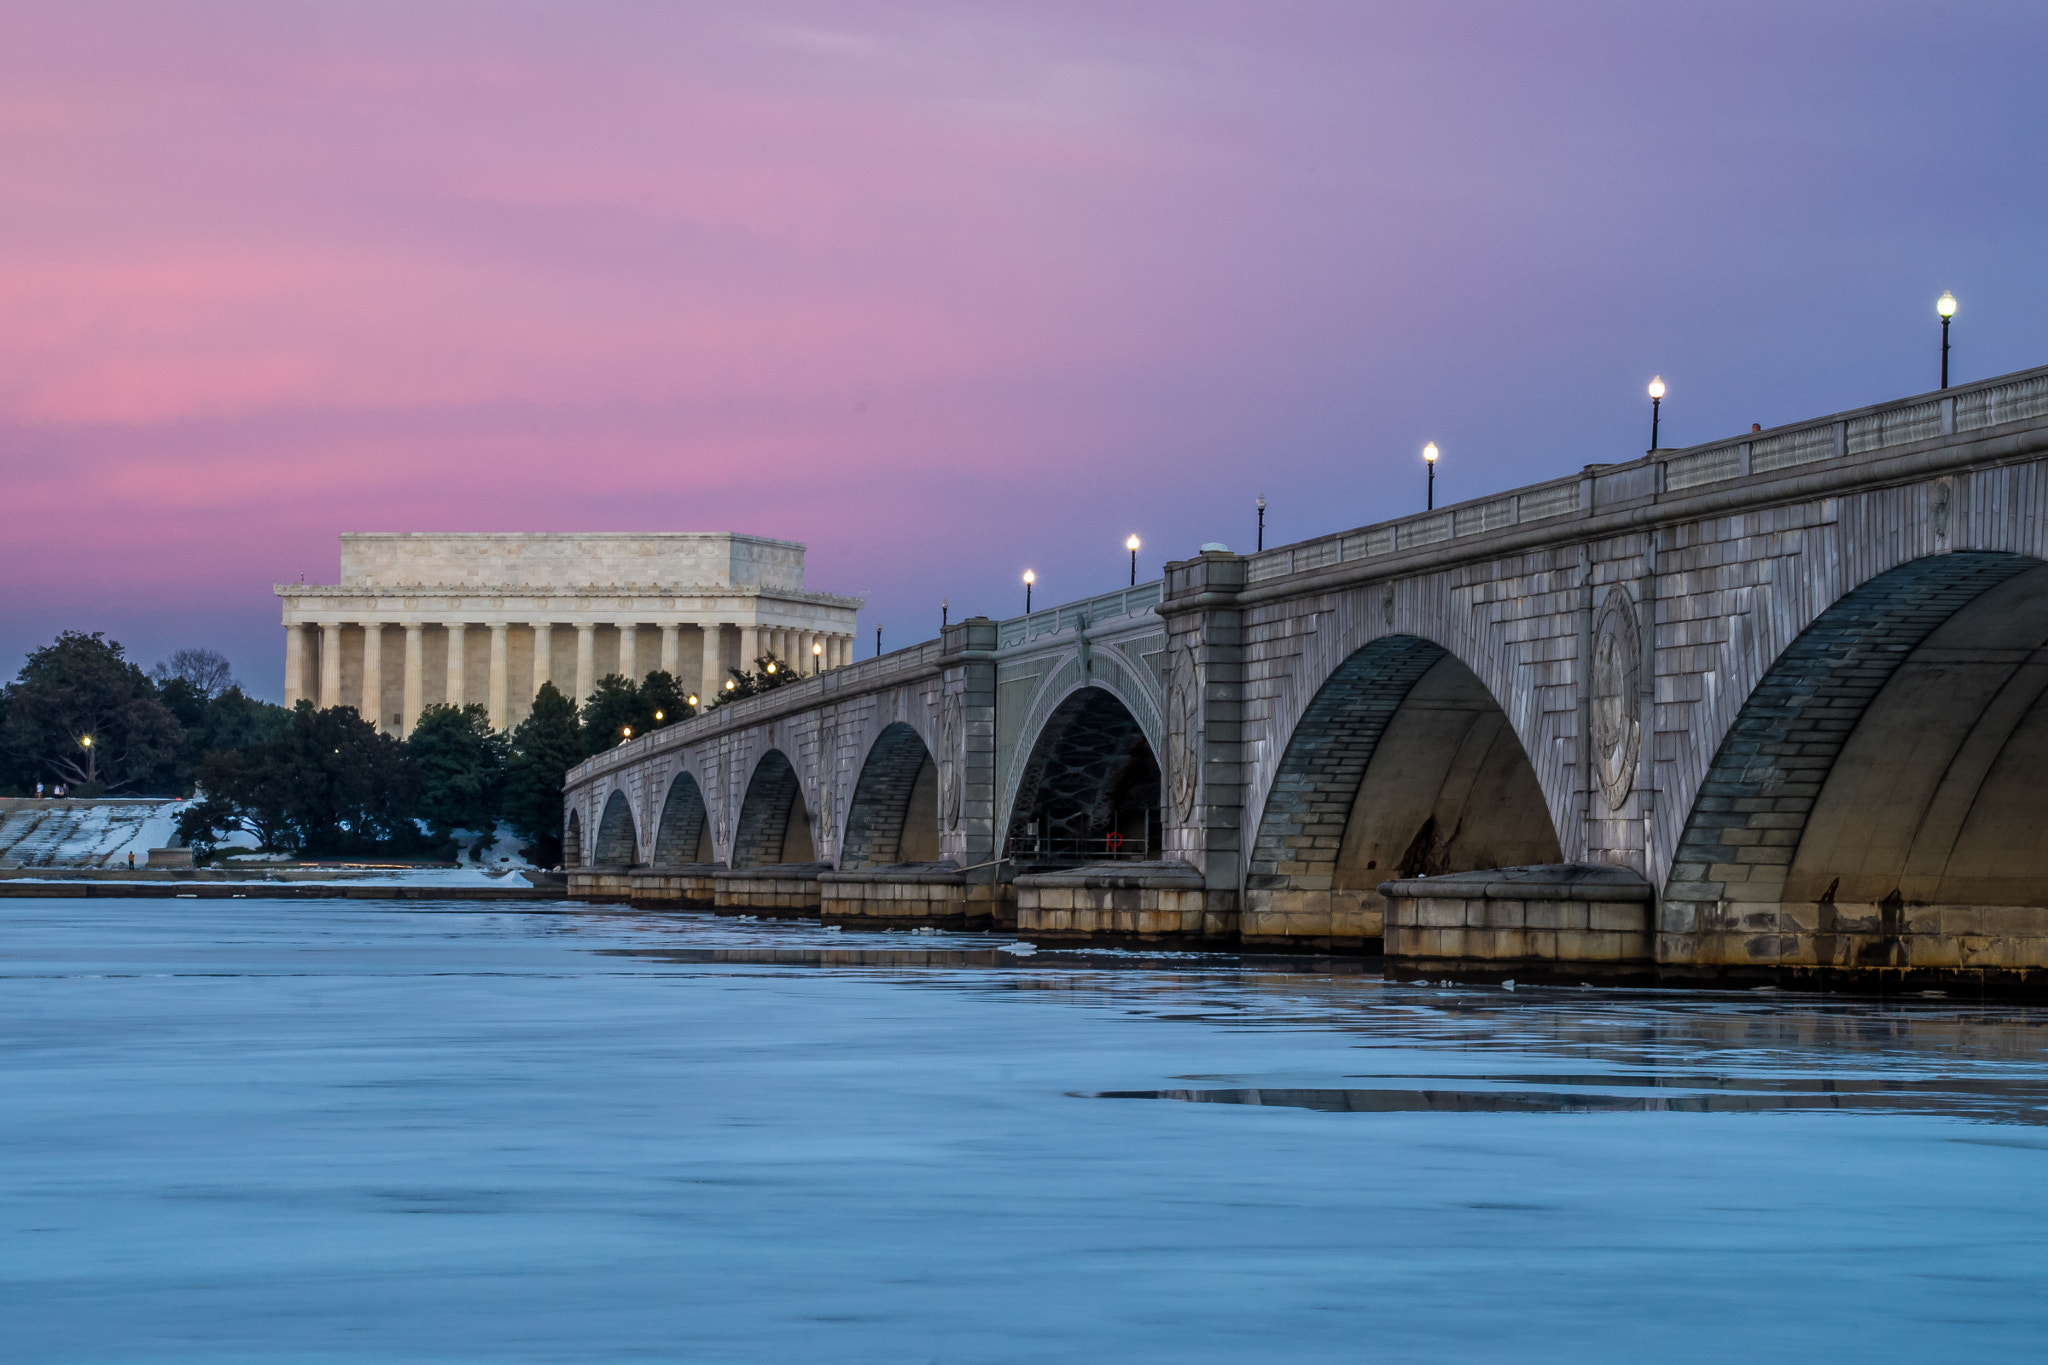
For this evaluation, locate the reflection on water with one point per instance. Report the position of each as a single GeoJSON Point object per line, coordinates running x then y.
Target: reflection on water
{"type": "Point", "coordinates": [340, 1130]}
{"type": "Point", "coordinates": [1981, 1100]}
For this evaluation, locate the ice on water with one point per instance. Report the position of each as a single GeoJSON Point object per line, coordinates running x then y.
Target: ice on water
{"type": "Point", "coordinates": [337, 1130]}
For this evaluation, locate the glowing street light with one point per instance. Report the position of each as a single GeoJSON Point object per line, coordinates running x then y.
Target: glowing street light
{"type": "Point", "coordinates": [1429, 454]}
{"type": "Point", "coordinates": [817, 656]}
{"type": "Point", "coordinates": [1946, 306]}
{"type": "Point", "coordinates": [1132, 546]}
{"type": "Point", "coordinates": [692, 700]}
{"type": "Point", "coordinates": [1656, 402]}
{"type": "Point", "coordinates": [1029, 579]}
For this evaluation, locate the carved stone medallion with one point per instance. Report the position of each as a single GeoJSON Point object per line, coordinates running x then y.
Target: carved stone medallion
{"type": "Point", "coordinates": [1617, 723]}
{"type": "Point", "coordinates": [950, 760]}
{"type": "Point", "coordinates": [1183, 726]}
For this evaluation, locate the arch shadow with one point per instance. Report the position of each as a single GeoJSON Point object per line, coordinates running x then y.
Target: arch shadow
{"type": "Point", "coordinates": [894, 815]}
{"type": "Point", "coordinates": [773, 826]}
{"type": "Point", "coordinates": [1876, 802]}
{"type": "Point", "coordinates": [572, 842]}
{"type": "Point", "coordinates": [1403, 764]}
{"type": "Point", "coordinates": [1090, 788]}
{"type": "Point", "coordinates": [683, 835]}
{"type": "Point", "coordinates": [617, 841]}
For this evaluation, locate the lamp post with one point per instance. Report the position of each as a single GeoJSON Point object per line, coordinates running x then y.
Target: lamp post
{"type": "Point", "coordinates": [944, 607]}
{"type": "Point", "coordinates": [817, 656]}
{"type": "Point", "coordinates": [1132, 546]}
{"type": "Point", "coordinates": [1429, 454]}
{"type": "Point", "coordinates": [1656, 401]}
{"type": "Point", "coordinates": [1946, 306]}
{"type": "Point", "coordinates": [92, 767]}
{"type": "Point", "coordinates": [878, 642]}
{"type": "Point", "coordinates": [1262, 523]}
{"type": "Point", "coordinates": [1029, 579]}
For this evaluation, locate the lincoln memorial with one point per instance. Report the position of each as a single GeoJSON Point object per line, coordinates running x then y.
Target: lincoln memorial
{"type": "Point", "coordinates": [423, 618]}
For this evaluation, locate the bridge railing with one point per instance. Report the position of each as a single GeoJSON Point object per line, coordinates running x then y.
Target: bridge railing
{"type": "Point", "coordinates": [1124, 601]}
{"type": "Point", "coordinates": [1957, 411]}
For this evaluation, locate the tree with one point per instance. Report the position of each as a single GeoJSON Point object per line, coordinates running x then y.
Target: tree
{"type": "Point", "coordinates": [614, 708]}
{"type": "Point", "coordinates": [204, 671]}
{"type": "Point", "coordinates": [545, 746]}
{"type": "Point", "coordinates": [81, 714]}
{"type": "Point", "coordinates": [328, 783]}
{"type": "Point", "coordinates": [770, 672]}
{"type": "Point", "coordinates": [460, 762]}
{"type": "Point", "coordinates": [663, 700]}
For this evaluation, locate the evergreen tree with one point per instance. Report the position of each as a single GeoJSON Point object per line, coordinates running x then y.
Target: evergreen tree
{"type": "Point", "coordinates": [545, 746]}
{"type": "Point", "coordinates": [770, 672]}
{"type": "Point", "coordinates": [615, 707]}
{"type": "Point", "coordinates": [460, 762]}
{"type": "Point", "coordinates": [328, 783]}
{"type": "Point", "coordinates": [81, 714]}
{"type": "Point", "coordinates": [663, 701]}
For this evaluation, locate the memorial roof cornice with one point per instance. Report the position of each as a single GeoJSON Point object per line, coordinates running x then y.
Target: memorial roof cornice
{"type": "Point", "coordinates": [605, 592]}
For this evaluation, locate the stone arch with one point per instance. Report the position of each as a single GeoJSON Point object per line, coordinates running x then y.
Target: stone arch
{"type": "Point", "coordinates": [1072, 676]}
{"type": "Point", "coordinates": [1092, 772]}
{"type": "Point", "coordinates": [618, 843]}
{"type": "Point", "coordinates": [572, 842]}
{"type": "Point", "coordinates": [1874, 804]}
{"type": "Point", "coordinates": [1402, 764]}
{"type": "Point", "coordinates": [683, 834]}
{"type": "Point", "coordinates": [773, 826]}
{"type": "Point", "coordinates": [894, 815]}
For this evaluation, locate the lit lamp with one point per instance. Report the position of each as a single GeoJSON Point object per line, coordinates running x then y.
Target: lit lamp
{"type": "Point", "coordinates": [627, 731]}
{"type": "Point", "coordinates": [1429, 454]}
{"type": "Point", "coordinates": [692, 699]}
{"type": "Point", "coordinates": [659, 716]}
{"type": "Point", "coordinates": [1656, 401]}
{"type": "Point", "coordinates": [1132, 546]}
{"type": "Point", "coordinates": [817, 656]}
{"type": "Point", "coordinates": [771, 667]}
{"type": "Point", "coordinates": [1946, 306]}
{"type": "Point", "coordinates": [731, 683]}
{"type": "Point", "coordinates": [1262, 522]}
{"type": "Point", "coordinates": [1029, 579]}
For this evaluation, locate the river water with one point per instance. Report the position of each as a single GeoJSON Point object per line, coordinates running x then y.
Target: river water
{"type": "Point", "coordinates": [324, 1131]}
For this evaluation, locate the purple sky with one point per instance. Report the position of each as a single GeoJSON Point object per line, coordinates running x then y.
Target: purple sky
{"type": "Point", "coordinates": [943, 290]}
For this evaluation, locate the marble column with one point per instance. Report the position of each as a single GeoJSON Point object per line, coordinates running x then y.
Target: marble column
{"type": "Point", "coordinates": [372, 709]}
{"type": "Point", "coordinates": [330, 664]}
{"type": "Point", "coordinates": [501, 651]}
{"type": "Point", "coordinates": [750, 647]}
{"type": "Point", "coordinates": [629, 652]}
{"type": "Point", "coordinates": [586, 662]}
{"type": "Point", "coordinates": [671, 650]}
{"type": "Point", "coordinates": [415, 677]}
{"type": "Point", "coordinates": [458, 664]}
{"type": "Point", "coordinates": [713, 662]}
{"type": "Point", "coordinates": [543, 653]}
{"type": "Point", "coordinates": [294, 664]}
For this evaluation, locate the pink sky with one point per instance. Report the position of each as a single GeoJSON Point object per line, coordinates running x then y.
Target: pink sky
{"type": "Point", "coordinates": [944, 291]}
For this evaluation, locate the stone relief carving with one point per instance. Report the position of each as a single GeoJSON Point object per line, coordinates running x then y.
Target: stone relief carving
{"type": "Point", "coordinates": [1183, 722]}
{"type": "Point", "coordinates": [950, 760]}
{"type": "Point", "coordinates": [1617, 724]}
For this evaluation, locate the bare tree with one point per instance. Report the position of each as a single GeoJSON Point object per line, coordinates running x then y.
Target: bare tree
{"type": "Point", "coordinates": [205, 671]}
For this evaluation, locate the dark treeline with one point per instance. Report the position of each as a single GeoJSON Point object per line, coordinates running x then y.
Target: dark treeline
{"type": "Point", "coordinates": [315, 782]}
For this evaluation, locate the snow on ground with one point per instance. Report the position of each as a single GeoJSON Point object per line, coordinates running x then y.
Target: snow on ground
{"type": "Point", "coordinates": [85, 833]}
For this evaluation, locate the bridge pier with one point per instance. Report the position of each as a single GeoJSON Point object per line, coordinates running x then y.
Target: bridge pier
{"type": "Point", "coordinates": [908, 896]}
{"type": "Point", "coordinates": [1571, 922]}
{"type": "Point", "coordinates": [779, 890]}
{"type": "Point", "coordinates": [693, 884]}
{"type": "Point", "coordinates": [1142, 902]}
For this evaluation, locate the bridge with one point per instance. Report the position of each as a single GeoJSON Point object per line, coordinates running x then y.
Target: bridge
{"type": "Point", "coordinates": [1767, 710]}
